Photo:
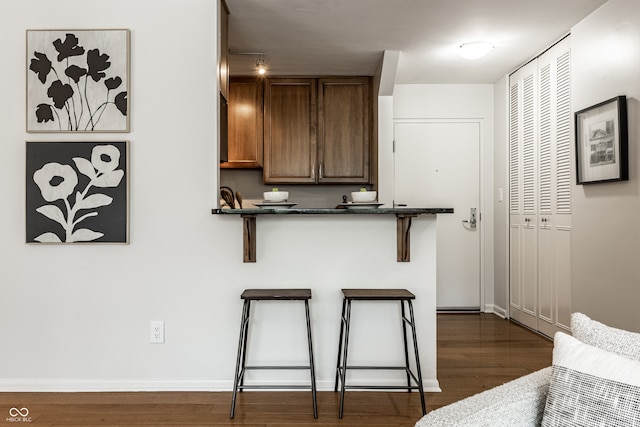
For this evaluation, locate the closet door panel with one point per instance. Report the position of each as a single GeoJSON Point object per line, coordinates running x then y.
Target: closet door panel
{"type": "Point", "coordinates": [523, 195]}
{"type": "Point", "coordinates": [564, 133]}
{"type": "Point", "coordinates": [562, 227]}
{"type": "Point", "coordinates": [562, 244]}
{"type": "Point", "coordinates": [546, 280]}
{"type": "Point", "coordinates": [515, 270]}
{"type": "Point", "coordinates": [546, 184]}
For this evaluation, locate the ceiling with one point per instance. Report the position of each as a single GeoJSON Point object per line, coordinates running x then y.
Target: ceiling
{"type": "Point", "coordinates": [348, 37]}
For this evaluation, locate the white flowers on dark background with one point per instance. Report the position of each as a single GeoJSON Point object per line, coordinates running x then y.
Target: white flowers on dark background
{"type": "Point", "coordinates": [76, 193]}
{"type": "Point", "coordinates": [80, 89]}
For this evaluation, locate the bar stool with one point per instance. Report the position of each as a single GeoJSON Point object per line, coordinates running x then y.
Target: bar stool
{"type": "Point", "coordinates": [402, 295]}
{"type": "Point", "coordinates": [273, 295]}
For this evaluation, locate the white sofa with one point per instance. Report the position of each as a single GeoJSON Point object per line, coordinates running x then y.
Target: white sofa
{"type": "Point", "coordinates": [594, 381]}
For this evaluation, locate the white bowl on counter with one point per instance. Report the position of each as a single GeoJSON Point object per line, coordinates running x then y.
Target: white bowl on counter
{"type": "Point", "coordinates": [275, 196]}
{"type": "Point", "coordinates": [363, 196]}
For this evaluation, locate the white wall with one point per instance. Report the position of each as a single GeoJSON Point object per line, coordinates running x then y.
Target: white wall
{"type": "Point", "coordinates": [77, 317]}
{"type": "Point", "coordinates": [78, 313]}
{"type": "Point", "coordinates": [459, 101]}
{"type": "Point", "coordinates": [606, 230]}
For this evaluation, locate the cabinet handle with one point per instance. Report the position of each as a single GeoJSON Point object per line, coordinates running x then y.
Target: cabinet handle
{"type": "Point", "coordinates": [313, 172]}
{"type": "Point", "coordinates": [320, 171]}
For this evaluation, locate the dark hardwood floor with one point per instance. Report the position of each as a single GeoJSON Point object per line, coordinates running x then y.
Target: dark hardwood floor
{"type": "Point", "coordinates": [475, 352]}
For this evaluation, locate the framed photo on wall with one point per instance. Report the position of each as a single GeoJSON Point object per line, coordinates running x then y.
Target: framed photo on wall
{"type": "Point", "coordinates": [602, 149]}
{"type": "Point", "coordinates": [77, 192]}
{"type": "Point", "coordinates": [77, 80]}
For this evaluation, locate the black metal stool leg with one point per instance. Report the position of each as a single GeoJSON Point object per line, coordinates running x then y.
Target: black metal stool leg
{"type": "Point", "coordinates": [406, 347]}
{"type": "Point", "coordinates": [344, 302]}
{"type": "Point", "coordinates": [244, 346]}
{"type": "Point", "coordinates": [242, 342]}
{"type": "Point", "coordinates": [418, 370]}
{"type": "Point", "coordinates": [343, 378]}
{"type": "Point", "coordinates": [311, 363]}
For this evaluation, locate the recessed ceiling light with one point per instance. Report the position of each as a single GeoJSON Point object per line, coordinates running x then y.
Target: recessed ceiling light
{"type": "Point", "coordinates": [474, 50]}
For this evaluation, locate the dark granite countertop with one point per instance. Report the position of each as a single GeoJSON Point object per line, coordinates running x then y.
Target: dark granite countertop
{"type": "Point", "coordinates": [334, 211]}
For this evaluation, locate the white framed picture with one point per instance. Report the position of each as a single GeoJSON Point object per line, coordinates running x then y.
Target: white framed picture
{"type": "Point", "coordinates": [77, 80]}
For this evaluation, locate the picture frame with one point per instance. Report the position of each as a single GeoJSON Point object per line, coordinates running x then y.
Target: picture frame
{"type": "Point", "coordinates": [602, 150]}
{"type": "Point", "coordinates": [77, 80]}
{"type": "Point", "coordinates": [77, 192]}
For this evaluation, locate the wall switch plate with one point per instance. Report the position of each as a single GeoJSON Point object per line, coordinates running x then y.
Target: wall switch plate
{"type": "Point", "coordinates": [500, 194]}
{"type": "Point", "coordinates": [156, 332]}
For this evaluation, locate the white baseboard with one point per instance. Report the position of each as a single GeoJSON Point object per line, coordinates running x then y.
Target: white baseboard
{"type": "Point", "coordinates": [498, 311]}
{"type": "Point", "coordinates": [35, 385]}
{"type": "Point", "coordinates": [432, 386]}
{"type": "Point", "coordinates": [105, 385]}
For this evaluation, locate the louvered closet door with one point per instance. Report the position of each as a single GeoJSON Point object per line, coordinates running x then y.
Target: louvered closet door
{"type": "Point", "coordinates": [523, 195]}
{"type": "Point", "coordinates": [540, 141]}
{"type": "Point", "coordinates": [554, 190]}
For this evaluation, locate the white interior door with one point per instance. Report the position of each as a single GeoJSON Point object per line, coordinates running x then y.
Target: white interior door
{"type": "Point", "coordinates": [437, 164]}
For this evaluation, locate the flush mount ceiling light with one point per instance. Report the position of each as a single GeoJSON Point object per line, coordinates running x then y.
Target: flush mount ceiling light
{"type": "Point", "coordinates": [474, 50]}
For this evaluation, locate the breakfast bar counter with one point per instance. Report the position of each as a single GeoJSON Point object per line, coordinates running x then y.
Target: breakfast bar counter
{"type": "Point", "coordinates": [403, 215]}
{"type": "Point", "coordinates": [334, 211]}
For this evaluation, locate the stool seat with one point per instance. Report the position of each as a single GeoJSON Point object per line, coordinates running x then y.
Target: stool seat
{"type": "Point", "coordinates": [378, 294]}
{"type": "Point", "coordinates": [276, 294]}
{"type": "Point", "coordinates": [414, 379]}
{"type": "Point", "coordinates": [250, 295]}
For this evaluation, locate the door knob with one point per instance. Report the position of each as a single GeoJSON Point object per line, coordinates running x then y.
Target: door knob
{"type": "Point", "coordinates": [472, 221]}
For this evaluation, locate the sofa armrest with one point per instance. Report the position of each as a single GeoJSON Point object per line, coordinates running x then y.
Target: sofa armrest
{"type": "Point", "coordinates": [518, 403]}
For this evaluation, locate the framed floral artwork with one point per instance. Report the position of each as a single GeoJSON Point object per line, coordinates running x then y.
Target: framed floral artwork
{"type": "Point", "coordinates": [78, 80]}
{"type": "Point", "coordinates": [77, 192]}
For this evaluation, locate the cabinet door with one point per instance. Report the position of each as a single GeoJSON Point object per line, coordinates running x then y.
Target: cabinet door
{"type": "Point", "coordinates": [564, 180]}
{"type": "Point", "coordinates": [245, 123]}
{"type": "Point", "coordinates": [344, 130]}
{"type": "Point", "coordinates": [554, 277]}
{"type": "Point", "coordinates": [290, 152]}
{"type": "Point", "coordinates": [523, 195]}
{"type": "Point", "coordinates": [223, 63]}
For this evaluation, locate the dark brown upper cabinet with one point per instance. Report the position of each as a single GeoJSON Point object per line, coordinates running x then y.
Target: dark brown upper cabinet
{"type": "Point", "coordinates": [245, 123]}
{"type": "Point", "coordinates": [317, 131]}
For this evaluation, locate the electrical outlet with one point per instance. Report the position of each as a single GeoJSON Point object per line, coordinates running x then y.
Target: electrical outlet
{"type": "Point", "coordinates": [157, 332]}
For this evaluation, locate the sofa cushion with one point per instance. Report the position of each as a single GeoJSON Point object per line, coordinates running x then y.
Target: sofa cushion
{"type": "Point", "coordinates": [591, 387]}
{"type": "Point", "coordinates": [518, 403]}
{"type": "Point", "coordinates": [599, 335]}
